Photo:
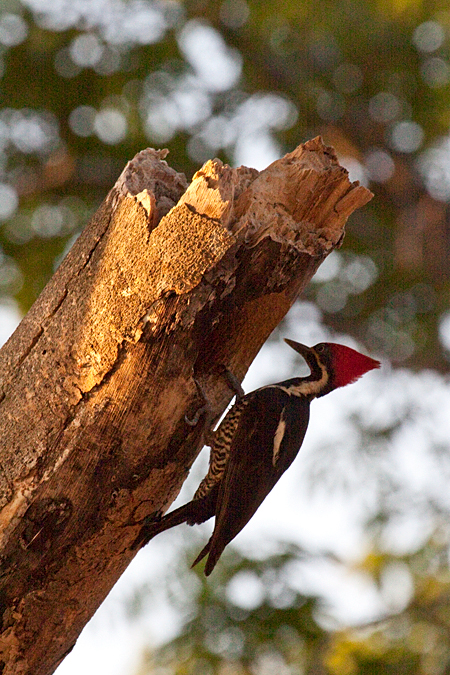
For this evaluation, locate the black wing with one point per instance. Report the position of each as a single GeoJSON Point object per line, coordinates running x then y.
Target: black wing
{"type": "Point", "coordinates": [269, 435]}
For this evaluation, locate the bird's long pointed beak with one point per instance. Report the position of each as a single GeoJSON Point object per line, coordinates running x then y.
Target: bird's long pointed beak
{"type": "Point", "coordinates": [303, 350]}
{"type": "Point", "coordinates": [298, 347]}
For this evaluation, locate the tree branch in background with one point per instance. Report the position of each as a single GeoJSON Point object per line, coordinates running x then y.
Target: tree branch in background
{"type": "Point", "coordinates": [96, 381]}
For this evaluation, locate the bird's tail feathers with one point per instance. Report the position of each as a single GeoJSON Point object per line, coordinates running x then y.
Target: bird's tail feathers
{"type": "Point", "coordinates": [213, 557]}
{"type": "Point", "coordinates": [204, 552]}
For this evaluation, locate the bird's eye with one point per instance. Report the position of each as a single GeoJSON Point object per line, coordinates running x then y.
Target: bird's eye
{"type": "Point", "coordinates": [320, 348]}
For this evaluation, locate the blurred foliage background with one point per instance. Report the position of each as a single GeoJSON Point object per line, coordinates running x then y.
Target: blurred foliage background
{"type": "Point", "coordinates": [86, 85]}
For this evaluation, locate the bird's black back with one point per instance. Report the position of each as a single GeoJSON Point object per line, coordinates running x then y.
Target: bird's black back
{"type": "Point", "coordinates": [256, 461]}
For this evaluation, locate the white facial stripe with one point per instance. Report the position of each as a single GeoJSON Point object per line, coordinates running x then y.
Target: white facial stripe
{"type": "Point", "coordinates": [279, 435]}
{"type": "Point", "coordinates": [309, 388]}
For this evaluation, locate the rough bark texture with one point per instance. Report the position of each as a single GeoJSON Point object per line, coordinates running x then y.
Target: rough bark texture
{"type": "Point", "coordinates": [97, 379]}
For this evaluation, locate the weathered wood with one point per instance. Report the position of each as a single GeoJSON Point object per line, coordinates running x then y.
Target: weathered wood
{"type": "Point", "coordinates": [97, 379]}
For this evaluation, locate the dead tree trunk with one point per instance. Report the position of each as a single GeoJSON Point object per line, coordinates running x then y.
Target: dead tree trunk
{"type": "Point", "coordinates": [97, 379]}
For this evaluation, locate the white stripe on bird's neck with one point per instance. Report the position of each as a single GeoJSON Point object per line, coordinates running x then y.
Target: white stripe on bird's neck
{"type": "Point", "coordinates": [306, 387]}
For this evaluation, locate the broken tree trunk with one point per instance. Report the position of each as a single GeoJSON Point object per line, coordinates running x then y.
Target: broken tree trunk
{"type": "Point", "coordinates": [96, 381]}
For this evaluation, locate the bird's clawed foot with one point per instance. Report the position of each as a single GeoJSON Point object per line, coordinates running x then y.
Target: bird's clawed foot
{"type": "Point", "coordinates": [145, 533]}
{"type": "Point", "coordinates": [207, 408]}
{"type": "Point", "coordinates": [233, 383]}
{"type": "Point", "coordinates": [200, 412]}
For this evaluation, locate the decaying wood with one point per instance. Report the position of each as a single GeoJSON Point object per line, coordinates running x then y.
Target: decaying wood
{"type": "Point", "coordinates": [167, 283]}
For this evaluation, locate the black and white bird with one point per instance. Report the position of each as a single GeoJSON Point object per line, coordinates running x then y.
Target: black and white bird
{"type": "Point", "coordinates": [256, 442]}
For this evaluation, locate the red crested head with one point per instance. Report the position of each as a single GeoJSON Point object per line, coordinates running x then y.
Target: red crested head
{"type": "Point", "coordinates": [333, 365]}
{"type": "Point", "coordinates": [347, 365]}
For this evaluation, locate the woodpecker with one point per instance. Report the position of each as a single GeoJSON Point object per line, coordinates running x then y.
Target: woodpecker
{"type": "Point", "coordinates": [255, 443]}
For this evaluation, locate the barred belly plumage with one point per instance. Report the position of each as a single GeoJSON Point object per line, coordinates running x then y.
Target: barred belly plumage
{"type": "Point", "coordinates": [220, 447]}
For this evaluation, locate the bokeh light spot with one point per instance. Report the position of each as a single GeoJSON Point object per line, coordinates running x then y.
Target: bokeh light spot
{"type": "Point", "coordinates": [434, 166]}
{"type": "Point", "coordinates": [429, 36]}
{"type": "Point", "coordinates": [407, 136]}
{"type": "Point", "coordinates": [384, 107]}
{"type": "Point", "coordinates": [360, 274]}
{"type": "Point", "coordinates": [11, 278]}
{"type": "Point", "coordinates": [53, 220]}
{"type": "Point", "coordinates": [86, 50]}
{"type": "Point", "coordinates": [110, 126]}
{"type": "Point", "coordinates": [246, 590]}
{"type": "Point", "coordinates": [330, 106]}
{"type": "Point", "coordinates": [13, 29]}
{"type": "Point", "coordinates": [332, 297]}
{"type": "Point", "coordinates": [444, 330]}
{"type": "Point", "coordinates": [435, 72]}
{"type": "Point", "coordinates": [9, 201]}
{"type": "Point", "coordinates": [380, 165]}
{"type": "Point", "coordinates": [82, 119]}
{"type": "Point", "coordinates": [356, 170]}
{"type": "Point", "coordinates": [217, 66]}
{"type": "Point", "coordinates": [32, 131]}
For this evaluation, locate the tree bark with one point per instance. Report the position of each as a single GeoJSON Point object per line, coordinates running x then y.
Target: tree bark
{"type": "Point", "coordinates": [96, 381]}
